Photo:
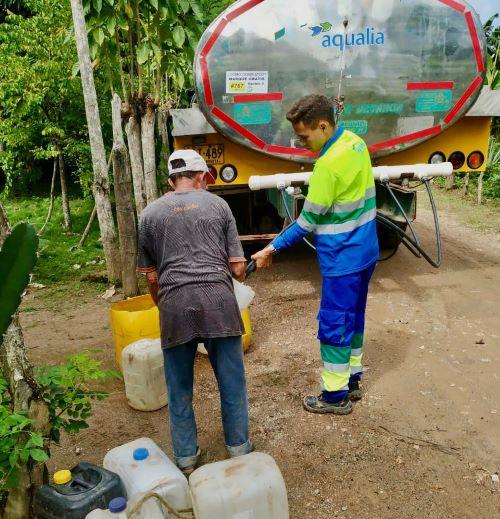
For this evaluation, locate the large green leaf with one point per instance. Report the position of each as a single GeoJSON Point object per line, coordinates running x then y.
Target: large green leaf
{"type": "Point", "coordinates": [198, 11]}
{"type": "Point", "coordinates": [180, 78]}
{"type": "Point", "coordinates": [110, 25]}
{"type": "Point", "coordinates": [179, 36]}
{"type": "Point", "coordinates": [97, 5]}
{"type": "Point", "coordinates": [17, 259]}
{"type": "Point", "coordinates": [143, 53]}
{"type": "Point", "coordinates": [184, 5]}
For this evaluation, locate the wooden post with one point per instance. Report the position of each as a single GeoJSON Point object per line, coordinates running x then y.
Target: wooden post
{"type": "Point", "coordinates": [465, 188]}
{"type": "Point", "coordinates": [450, 182]}
{"type": "Point", "coordinates": [125, 213]}
{"type": "Point", "coordinates": [148, 149]}
{"type": "Point", "coordinates": [133, 129]}
{"type": "Point", "coordinates": [480, 188]}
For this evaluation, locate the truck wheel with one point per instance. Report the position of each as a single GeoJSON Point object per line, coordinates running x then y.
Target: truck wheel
{"type": "Point", "coordinates": [389, 240]}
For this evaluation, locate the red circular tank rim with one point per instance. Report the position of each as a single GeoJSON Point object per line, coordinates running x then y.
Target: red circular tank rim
{"type": "Point", "coordinates": [428, 132]}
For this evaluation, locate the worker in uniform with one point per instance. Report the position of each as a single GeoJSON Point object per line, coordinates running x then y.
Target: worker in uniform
{"type": "Point", "coordinates": [340, 210]}
{"type": "Point", "coordinates": [189, 249]}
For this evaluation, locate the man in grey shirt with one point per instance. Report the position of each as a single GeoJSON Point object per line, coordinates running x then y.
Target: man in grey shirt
{"type": "Point", "coordinates": [189, 250]}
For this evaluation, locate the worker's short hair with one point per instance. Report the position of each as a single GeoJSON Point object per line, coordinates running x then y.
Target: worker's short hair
{"type": "Point", "coordinates": [311, 109]}
{"type": "Point", "coordinates": [174, 177]}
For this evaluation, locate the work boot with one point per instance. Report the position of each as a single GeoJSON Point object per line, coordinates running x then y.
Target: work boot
{"type": "Point", "coordinates": [316, 404]}
{"type": "Point", "coordinates": [354, 391]}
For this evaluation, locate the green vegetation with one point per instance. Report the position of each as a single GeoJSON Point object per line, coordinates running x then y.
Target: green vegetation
{"type": "Point", "coordinates": [65, 390]}
{"type": "Point", "coordinates": [41, 103]}
{"type": "Point", "coordinates": [42, 112]}
{"type": "Point", "coordinates": [492, 32]}
{"type": "Point", "coordinates": [57, 258]}
{"type": "Point", "coordinates": [17, 259]}
{"type": "Point", "coordinates": [484, 218]}
{"type": "Point", "coordinates": [17, 443]}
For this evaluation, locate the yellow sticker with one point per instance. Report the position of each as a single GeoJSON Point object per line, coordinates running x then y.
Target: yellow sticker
{"type": "Point", "coordinates": [236, 86]}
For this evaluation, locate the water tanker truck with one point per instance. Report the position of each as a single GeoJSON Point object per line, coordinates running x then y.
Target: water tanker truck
{"type": "Point", "coordinates": [401, 74]}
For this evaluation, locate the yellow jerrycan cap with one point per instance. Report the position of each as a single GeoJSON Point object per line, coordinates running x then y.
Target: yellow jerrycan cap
{"type": "Point", "coordinates": [61, 477]}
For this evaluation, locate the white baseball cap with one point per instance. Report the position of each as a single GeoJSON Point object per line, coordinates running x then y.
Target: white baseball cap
{"type": "Point", "coordinates": [186, 160]}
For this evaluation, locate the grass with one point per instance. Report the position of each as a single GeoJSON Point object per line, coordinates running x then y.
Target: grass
{"type": "Point", "coordinates": [57, 262]}
{"type": "Point", "coordinates": [484, 217]}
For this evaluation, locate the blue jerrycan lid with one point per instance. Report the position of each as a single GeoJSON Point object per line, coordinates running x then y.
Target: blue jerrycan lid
{"type": "Point", "coordinates": [141, 454]}
{"type": "Point", "coordinates": [117, 505]}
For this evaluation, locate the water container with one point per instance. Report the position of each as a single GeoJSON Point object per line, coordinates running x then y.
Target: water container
{"type": "Point", "coordinates": [118, 508]}
{"type": "Point", "coordinates": [75, 493]}
{"type": "Point", "coordinates": [244, 294]}
{"type": "Point", "coordinates": [133, 319]}
{"type": "Point", "coordinates": [144, 375]}
{"type": "Point", "coordinates": [246, 487]}
{"type": "Point", "coordinates": [144, 467]}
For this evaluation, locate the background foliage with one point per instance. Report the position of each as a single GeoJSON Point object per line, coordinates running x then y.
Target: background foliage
{"type": "Point", "coordinates": [41, 101]}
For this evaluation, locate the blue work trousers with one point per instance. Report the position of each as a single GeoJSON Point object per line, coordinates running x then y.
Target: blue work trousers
{"type": "Point", "coordinates": [341, 331]}
{"type": "Point", "coordinates": [226, 358]}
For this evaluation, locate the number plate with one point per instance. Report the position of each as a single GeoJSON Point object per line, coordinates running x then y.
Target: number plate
{"type": "Point", "coordinates": [212, 153]}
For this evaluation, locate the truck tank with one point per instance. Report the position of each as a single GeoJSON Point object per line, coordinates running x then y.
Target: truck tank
{"type": "Point", "coordinates": [401, 72]}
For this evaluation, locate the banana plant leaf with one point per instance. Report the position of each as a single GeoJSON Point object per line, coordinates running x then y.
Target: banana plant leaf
{"type": "Point", "coordinates": [17, 259]}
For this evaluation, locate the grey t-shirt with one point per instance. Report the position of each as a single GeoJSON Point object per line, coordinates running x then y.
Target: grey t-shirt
{"type": "Point", "coordinates": [190, 238]}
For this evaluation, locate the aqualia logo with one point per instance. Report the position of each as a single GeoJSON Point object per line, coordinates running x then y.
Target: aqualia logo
{"type": "Point", "coordinates": [370, 36]}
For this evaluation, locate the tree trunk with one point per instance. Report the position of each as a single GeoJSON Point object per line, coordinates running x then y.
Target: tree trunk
{"type": "Point", "coordinates": [148, 149]}
{"type": "Point", "coordinates": [25, 395]}
{"type": "Point", "coordinates": [124, 205]}
{"type": "Point", "coordinates": [133, 129]}
{"type": "Point", "coordinates": [101, 183]}
{"type": "Point", "coordinates": [465, 188]}
{"type": "Point", "coordinates": [86, 232]}
{"type": "Point", "coordinates": [52, 196]}
{"type": "Point", "coordinates": [480, 188]}
{"type": "Point", "coordinates": [450, 182]}
{"type": "Point", "coordinates": [165, 146]}
{"type": "Point", "coordinates": [4, 225]}
{"type": "Point", "coordinates": [64, 194]}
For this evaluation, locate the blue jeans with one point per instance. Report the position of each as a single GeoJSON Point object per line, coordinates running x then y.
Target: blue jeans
{"type": "Point", "coordinates": [226, 358]}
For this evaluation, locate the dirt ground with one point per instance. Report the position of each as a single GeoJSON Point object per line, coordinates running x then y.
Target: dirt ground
{"type": "Point", "coordinates": [423, 442]}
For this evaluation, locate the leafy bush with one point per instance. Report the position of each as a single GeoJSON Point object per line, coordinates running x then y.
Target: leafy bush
{"type": "Point", "coordinates": [65, 390]}
{"type": "Point", "coordinates": [69, 398]}
{"type": "Point", "coordinates": [491, 185]}
{"type": "Point", "coordinates": [17, 443]}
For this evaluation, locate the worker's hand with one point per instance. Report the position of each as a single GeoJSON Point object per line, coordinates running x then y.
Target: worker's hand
{"type": "Point", "coordinates": [153, 286]}
{"type": "Point", "coordinates": [238, 270]}
{"type": "Point", "coordinates": [264, 258]}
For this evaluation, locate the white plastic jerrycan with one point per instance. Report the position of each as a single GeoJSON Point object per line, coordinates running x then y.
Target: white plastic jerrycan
{"type": "Point", "coordinates": [118, 508]}
{"type": "Point", "coordinates": [246, 487]}
{"type": "Point", "coordinates": [144, 375]}
{"type": "Point", "coordinates": [143, 468]}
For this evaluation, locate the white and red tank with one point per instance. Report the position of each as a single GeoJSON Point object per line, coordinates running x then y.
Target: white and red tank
{"type": "Point", "coordinates": [408, 69]}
